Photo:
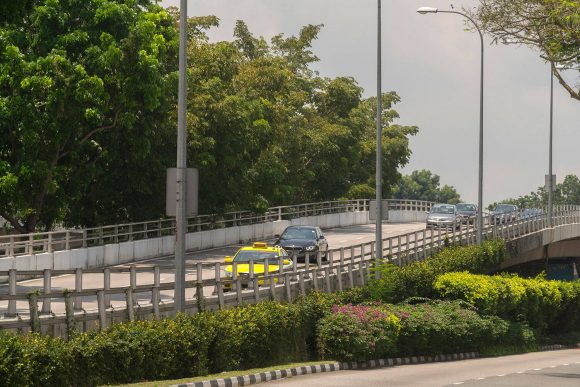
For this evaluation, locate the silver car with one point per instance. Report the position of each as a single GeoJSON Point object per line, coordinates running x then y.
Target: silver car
{"type": "Point", "coordinates": [443, 215]}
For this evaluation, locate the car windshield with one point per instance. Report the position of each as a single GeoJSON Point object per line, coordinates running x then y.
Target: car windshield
{"type": "Point", "coordinates": [504, 208]}
{"type": "Point", "coordinates": [442, 210]}
{"type": "Point", "coordinates": [465, 207]}
{"type": "Point", "coordinates": [256, 255]}
{"type": "Point", "coordinates": [299, 233]}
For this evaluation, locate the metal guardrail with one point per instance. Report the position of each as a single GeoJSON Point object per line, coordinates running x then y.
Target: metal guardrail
{"type": "Point", "coordinates": [345, 268]}
{"type": "Point", "coordinates": [47, 242]}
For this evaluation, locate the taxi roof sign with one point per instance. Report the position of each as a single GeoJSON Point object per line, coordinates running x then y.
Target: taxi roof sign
{"type": "Point", "coordinates": [260, 245]}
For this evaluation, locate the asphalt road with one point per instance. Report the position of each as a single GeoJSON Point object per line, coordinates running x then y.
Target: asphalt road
{"type": "Point", "coordinates": [539, 369]}
{"type": "Point", "coordinates": [338, 237]}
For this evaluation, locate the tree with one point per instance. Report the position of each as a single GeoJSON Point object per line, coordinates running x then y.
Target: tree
{"type": "Point", "coordinates": [84, 89]}
{"type": "Point", "coordinates": [550, 26]}
{"type": "Point", "coordinates": [266, 130]}
{"type": "Point", "coordinates": [423, 185]}
{"type": "Point", "coordinates": [567, 192]}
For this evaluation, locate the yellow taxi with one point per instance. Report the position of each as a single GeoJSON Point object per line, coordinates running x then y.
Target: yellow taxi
{"type": "Point", "coordinates": [259, 253]}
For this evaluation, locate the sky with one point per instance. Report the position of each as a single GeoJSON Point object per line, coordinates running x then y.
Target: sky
{"type": "Point", "coordinates": [433, 63]}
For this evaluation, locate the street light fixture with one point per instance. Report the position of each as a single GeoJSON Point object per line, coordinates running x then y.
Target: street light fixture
{"type": "Point", "coordinates": [423, 11]}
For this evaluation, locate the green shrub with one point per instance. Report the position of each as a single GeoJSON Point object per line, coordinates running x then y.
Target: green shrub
{"type": "Point", "coordinates": [546, 305]}
{"type": "Point", "coordinates": [33, 360]}
{"type": "Point", "coordinates": [144, 350]}
{"type": "Point", "coordinates": [399, 283]}
{"type": "Point", "coordinates": [444, 327]}
{"type": "Point", "coordinates": [258, 335]}
{"type": "Point", "coordinates": [357, 333]}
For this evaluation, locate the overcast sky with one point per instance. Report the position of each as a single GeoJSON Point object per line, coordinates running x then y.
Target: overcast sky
{"type": "Point", "coordinates": [433, 64]}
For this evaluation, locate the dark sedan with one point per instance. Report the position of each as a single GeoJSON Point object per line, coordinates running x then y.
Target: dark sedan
{"type": "Point", "coordinates": [504, 213]}
{"type": "Point", "coordinates": [302, 241]}
{"type": "Point", "coordinates": [468, 212]}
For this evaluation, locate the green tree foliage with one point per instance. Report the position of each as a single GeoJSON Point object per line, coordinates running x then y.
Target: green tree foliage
{"type": "Point", "coordinates": [85, 87]}
{"type": "Point", "coordinates": [567, 192]}
{"type": "Point", "coordinates": [266, 130]}
{"type": "Point", "coordinates": [550, 26]}
{"type": "Point", "coordinates": [88, 116]}
{"type": "Point", "coordinates": [424, 185]}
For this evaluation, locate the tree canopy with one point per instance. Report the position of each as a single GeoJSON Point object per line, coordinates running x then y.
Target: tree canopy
{"type": "Point", "coordinates": [566, 192]}
{"type": "Point", "coordinates": [84, 91]}
{"type": "Point", "coordinates": [88, 117]}
{"type": "Point", "coordinates": [550, 26]}
{"type": "Point", "coordinates": [424, 185]}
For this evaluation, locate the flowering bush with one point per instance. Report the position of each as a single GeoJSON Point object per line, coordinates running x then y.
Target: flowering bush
{"type": "Point", "coordinates": [358, 332]}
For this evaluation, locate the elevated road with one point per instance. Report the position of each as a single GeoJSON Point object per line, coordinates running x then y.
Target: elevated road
{"type": "Point", "coordinates": [337, 238]}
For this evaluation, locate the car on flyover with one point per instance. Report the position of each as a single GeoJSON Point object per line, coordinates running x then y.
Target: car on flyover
{"type": "Point", "coordinates": [303, 241]}
{"type": "Point", "coordinates": [532, 213]}
{"type": "Point", "coordinates": [443, 215]}
{"type": "Point", "coordinates": [467, 211]}
{"type": "Point", "coordinates": [504, 213]}
{"type": "Point", "coordinates": [259, 253]}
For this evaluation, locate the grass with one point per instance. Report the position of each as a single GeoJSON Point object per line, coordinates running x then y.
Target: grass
{"type": "Point", "coordinates": [164, 383]}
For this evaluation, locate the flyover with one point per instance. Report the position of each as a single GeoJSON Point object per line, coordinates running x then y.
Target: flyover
{"type": "Point", "coordinates": [139, 291]}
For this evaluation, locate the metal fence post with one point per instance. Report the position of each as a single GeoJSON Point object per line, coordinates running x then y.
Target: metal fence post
{"type": "Point", "coordinates": [78, 304]}
{"type": "Point", "coordinates": [11, 312]}
{"type": "Point", "coordinates": [47, 287]}
{"type": "Point", "coordinates": [34, 319]}
{"type": "Point", "coordinates": [102, 310]}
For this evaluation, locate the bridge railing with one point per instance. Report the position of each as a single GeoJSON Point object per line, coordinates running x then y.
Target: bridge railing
{"type": "Point", "coordinates": [35, 243]}
{"type": "Point", "coordinates": [145, 292]}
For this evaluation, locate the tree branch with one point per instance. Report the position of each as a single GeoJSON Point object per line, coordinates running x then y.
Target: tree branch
{"type": "Point", "coordinates": [92, 133]}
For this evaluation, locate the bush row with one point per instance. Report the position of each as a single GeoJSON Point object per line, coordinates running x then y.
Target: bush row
{"type": "Point", "coordinates": [240, 338]}
{"type": "Point", "coordinates": [395, 284]}
{"type": "Point", "coordinates": [378, 331]}
{"type": "Point", "coordinates": [549, 306]}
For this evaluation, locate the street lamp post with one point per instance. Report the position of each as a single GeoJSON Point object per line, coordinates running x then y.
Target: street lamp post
{"type": "Point", "coordinates": [425, 10]}
{"type": "Point", "coordinates": [180, 216]}
{"type": "Point", "coordinates": [550, 188]}
{"type": "Point", "coordinates": [379, 161]}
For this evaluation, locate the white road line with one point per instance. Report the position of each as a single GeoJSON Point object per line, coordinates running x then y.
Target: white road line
{"type": "Point", "coordinates": [480, 378]}
{"type": "Point", "coordinates": [459, 383]}
{"type": "Point", "coordinates": [553, 366]}
{"type": "Point", "coordinates": [501, 375]}
{"type": "Point", "coordinates": [566, 364]}
{"type": "Point", "coordinates": [537, 369]}
{"type": "Point", "coordinates": [342, 241]}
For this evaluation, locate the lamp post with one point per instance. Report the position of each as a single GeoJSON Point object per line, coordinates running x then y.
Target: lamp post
{"type": "Point", "coordinates": [180, 216]}
{"type": "Point", "coordinates": [550, 188]}
{"type": "Point", "coordinates": [379, 164]}
{"type": "Point", "coordinates": [425, 10]}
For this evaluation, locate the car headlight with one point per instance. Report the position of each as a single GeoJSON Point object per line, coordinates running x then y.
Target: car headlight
{"type": "Point", "coordinates": [310, 248]}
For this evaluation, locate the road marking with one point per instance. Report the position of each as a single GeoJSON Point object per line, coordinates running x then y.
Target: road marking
{"type": "Point", "coordinates": [521, 372]}
{"type": "Point", "coordinates": [566, 364]}
{"type": "Point", "coordinates": [553, 366]}
{"type": "Point", "coordinates": [537, 369]}
{"type": "Point", "coordinates": [459, 383]}
{"type": "Point", "coordinates": [501, 375]}
{"type": "Point", "coordinates": [342, 241]}
{"type": "Point", "coordinates": [480, 378]}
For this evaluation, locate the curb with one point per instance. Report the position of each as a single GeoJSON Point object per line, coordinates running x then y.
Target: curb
{"type": "Point", "coordinates": [247, 380]}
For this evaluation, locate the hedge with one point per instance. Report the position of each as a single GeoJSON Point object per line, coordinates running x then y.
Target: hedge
{"type": "Point", "coordinates": [357, 333]}
{"type": "Point", "coordinates": [395, 284]}
{"type": "Point", "coordinates": [245, 337]}
{"type": "Point", "coordinates": [550, 306]}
